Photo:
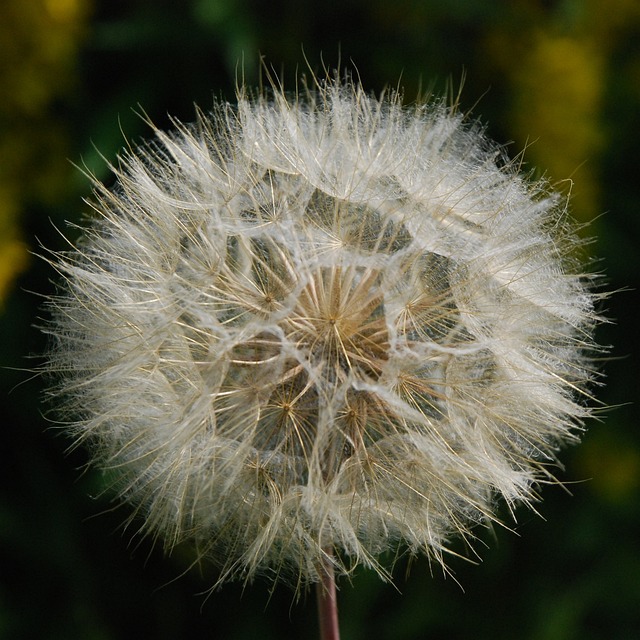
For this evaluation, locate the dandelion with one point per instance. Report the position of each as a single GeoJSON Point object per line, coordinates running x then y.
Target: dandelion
{"type": "Point", "coordinates": [306, 331]}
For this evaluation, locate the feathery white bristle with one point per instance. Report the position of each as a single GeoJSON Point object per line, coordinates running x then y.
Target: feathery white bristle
{"type": "Point", "coordinates": [322, 323]}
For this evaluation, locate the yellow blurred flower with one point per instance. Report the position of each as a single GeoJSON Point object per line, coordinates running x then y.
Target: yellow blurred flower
{"type": "Point", "coordinates": [38, 44]}
{"type": "Point", "coordinates": [558, 91]}
{"type": "Point", "coordinates": [557, 61]}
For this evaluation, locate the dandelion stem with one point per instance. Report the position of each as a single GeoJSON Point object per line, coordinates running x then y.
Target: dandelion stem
{"type": "Point", "coordinates": [327, 601]}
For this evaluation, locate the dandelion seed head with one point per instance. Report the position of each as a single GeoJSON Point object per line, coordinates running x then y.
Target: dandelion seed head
{"type": "Point", "coordinates": [322, 322]}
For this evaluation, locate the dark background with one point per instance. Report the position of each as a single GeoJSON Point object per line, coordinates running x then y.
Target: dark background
{"type": "Point", "coordinates": [560, 76]}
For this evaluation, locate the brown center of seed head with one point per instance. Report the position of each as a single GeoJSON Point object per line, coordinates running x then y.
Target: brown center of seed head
{"type": "Point", "coordinates": [337, 328]}
{"type": "Point", "coordinates": [339, 322]}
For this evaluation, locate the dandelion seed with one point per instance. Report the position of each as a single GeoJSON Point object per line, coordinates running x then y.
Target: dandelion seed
{"type": "Point", "coordinates": [306, 331]}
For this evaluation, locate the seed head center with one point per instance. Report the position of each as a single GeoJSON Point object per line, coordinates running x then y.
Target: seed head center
{"type": "Point", "coordinates": [339, 322]}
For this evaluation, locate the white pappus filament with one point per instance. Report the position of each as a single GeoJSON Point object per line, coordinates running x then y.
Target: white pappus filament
{"type": "Point", "coordinates": [322, 322]}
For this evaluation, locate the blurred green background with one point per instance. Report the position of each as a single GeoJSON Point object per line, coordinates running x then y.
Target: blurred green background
{"type": "Point", "coordinates": [560, 76]}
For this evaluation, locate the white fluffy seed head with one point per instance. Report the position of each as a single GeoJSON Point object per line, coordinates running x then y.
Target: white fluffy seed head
{"type": "Point", "coordinates": [321, 323]}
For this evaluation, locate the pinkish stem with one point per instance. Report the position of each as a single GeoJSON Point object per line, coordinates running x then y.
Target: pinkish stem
{"type": "Point", "coordinates": [327, 602]}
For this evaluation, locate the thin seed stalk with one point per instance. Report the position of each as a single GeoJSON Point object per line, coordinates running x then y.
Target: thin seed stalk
{"type": "Point", "coordinates": [327, 601]}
